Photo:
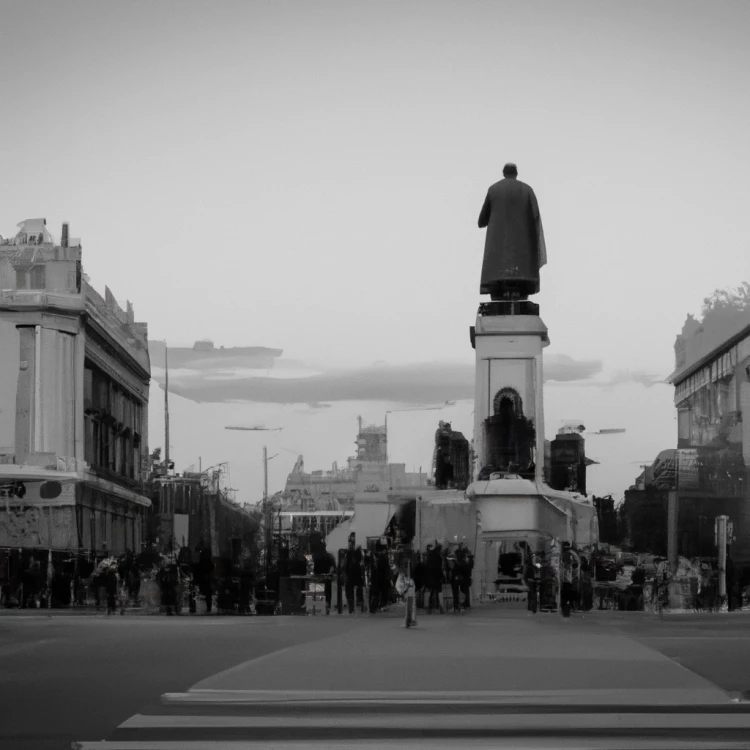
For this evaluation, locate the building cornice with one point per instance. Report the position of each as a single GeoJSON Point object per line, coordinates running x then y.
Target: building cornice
{"type": "Point", "coordinates": [35, 473]}
{"type": "Point", "coordinates": [114, 348]}
{"type": "Point", "coordinates": [97, 483]}
{"type": "Point", "coordinates": [24, 301]}
{"type": "Point", "coordinates": [102, 357]}
{"type": "Point", "coordinates": [682, 374]}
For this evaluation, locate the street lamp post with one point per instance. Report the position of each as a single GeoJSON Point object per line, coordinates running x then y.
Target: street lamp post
{"type": "Point", "coordinates": [267, 519]}
{"type": "Point", "coordinates": [266, 459]}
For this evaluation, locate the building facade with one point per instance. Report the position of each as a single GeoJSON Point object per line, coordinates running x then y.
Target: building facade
{"type": "Point", "coordinates": [680, 495]}
{"type": "Point", "coordinates": [193, 511]}
{"type": "Point", "coordinates": [712, 396]}
{"type": "Point", "coordinates": [74, 387]}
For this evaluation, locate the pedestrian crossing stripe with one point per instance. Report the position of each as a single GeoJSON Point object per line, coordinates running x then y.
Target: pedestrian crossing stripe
{"type": "Point", "coordinates": [163, 732]}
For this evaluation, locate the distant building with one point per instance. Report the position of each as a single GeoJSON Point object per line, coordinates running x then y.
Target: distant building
{"type": "Point", "coordinates": [193, 511]}
{"type": "Point", "coordinates": [712, 396]}
{"type": "Point", "coordinates": [712, 384]}
{"type": "Point", "coordinates": [452, 460]}
{"type": "Point", "coordinates": [318, 501]}
{"type": "Point", "coordinates": [74, 387]}
{"type": "Point", "coordinates": [709, 467]}
{"type": "Point", "coordinates": [567, 460]}
{"type": "Point", "coordinates": [367, 471]}
{"type": "Point", "coordinates": [607, 516]}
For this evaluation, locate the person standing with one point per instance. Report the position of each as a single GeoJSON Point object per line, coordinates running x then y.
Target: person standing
{"type": "Point", "coordinates": [353, 574]}
{"type": "Point", "coordinates": [111, 586]}
{"type": "Point", "coordinates": [530, 577]}
{"type": "Point", "coordinates": [638, 581]}
{"type": "Point", "coordinates": [466, 563]}
{"type": "Point", "coordinates": [205, 575]}
{"type": "Point", "coordinates": [420, 578]}
{"type": "Point", "coordinates": [32, 583]}
{"type": "Point", "coordinates": [566, 580]}
{"type": "Point", "coordinates": [381, 579]}
{"type": "Point", "coordinates": [168, 585]}
{"type": "Point", "coordinates": [325, 565]}
{"type": "Point", "coordinates": [435, 578]}
{"type": "Point", "coordinates": [408, 592]}
{"type": "Point", "coordinates": [454, 578]}
{"type": "Point", "coordinates": [587, 588]}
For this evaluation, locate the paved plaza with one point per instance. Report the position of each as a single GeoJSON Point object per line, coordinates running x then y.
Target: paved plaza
{"type": "Point", "coordinates": [92, 673]}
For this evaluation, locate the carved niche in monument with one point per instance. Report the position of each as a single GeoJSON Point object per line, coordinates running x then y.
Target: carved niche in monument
{"type": "Point", "coordinates": [510, 435]}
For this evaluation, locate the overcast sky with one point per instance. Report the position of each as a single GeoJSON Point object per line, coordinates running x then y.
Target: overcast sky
{"type": "Point", "coordinates": [308, 175]}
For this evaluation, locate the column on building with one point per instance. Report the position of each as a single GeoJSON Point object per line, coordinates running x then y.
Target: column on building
{"type": "Point", "coordinates": [46, 396]}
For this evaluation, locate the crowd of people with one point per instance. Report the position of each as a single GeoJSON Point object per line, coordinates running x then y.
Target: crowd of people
{"type": "Point", "coordinates": [383, 572]}
{"type": "Point", "coordinates": [574, 576]}
{"type": "Point", "coordinates": [440, 566]}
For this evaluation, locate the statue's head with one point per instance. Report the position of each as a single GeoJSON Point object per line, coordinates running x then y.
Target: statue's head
{"type": "Point", "coordinates": [510, 170]}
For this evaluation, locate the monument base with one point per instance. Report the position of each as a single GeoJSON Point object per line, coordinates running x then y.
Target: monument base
{"type": "Point", "coordinates": [508, 339]}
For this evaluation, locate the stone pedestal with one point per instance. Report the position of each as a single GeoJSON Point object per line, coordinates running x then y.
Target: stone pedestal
{"type": "Point", "coordinates": [508, 339]}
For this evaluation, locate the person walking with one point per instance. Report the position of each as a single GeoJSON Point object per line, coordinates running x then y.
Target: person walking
{"type": "Point", "coordinates": [408, 592]}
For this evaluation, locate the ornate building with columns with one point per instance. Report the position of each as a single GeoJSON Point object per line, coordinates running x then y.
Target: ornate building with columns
{"type": "Point", "coordinates": [74, 387]}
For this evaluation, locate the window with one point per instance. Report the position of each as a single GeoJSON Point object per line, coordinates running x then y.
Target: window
{"type": "Point", "coordinates": [726, 402]}
{"type": "Point", "coordinates": [112, 414]}
{"type": "Point", "coordinates": [89, 442]}
{"type": "Point", "coordinates": [703, 402]}
{"type": "Point", "coordinates": [684, 420]}
{"type": "Point", "coordinates": [38, 277]}
{"type": "Point", "coordinates": [88, 388]}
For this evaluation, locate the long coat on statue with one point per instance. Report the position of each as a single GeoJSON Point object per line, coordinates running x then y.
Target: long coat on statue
{"type": "Point", "coordinates": [514, 249]}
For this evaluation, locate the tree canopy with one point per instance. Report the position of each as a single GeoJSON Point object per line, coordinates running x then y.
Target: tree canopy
{"type": "Point", "coordinates": [730, 300]}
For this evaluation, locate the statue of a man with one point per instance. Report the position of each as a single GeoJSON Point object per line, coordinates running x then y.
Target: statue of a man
{"type": "Point", "coordinates": [514, 249]}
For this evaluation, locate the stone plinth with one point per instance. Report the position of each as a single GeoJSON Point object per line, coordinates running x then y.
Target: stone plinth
{"type": "Point", "coordinates": [508, 339]}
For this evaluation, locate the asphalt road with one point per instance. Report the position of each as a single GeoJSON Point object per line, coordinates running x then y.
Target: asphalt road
{"type": "Point", "coordinates": [79, 677]}
{"type": "Point", "coordinates": [67, 677]}
{"type": "Point", "coordinates": [714, 646]}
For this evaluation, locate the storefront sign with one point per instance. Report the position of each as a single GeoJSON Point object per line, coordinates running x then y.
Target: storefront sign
{"type": "Point", "coordinates": [23, 525]}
